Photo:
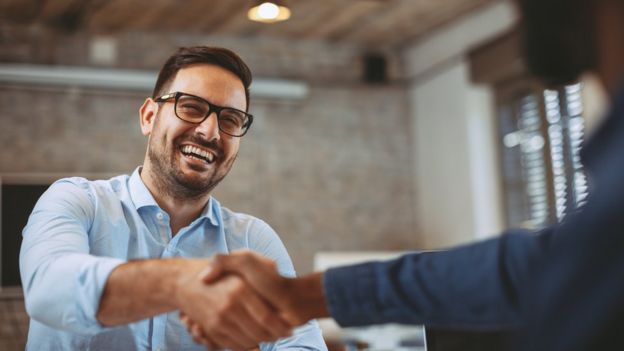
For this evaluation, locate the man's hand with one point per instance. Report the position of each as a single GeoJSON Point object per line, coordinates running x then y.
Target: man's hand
{"type": "Point", "coordinates": [227, 313]}
{"type": "Point", "coordinates": [297, 299]}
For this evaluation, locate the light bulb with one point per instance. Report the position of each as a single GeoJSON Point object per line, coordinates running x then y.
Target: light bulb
{"type": "Point", "coordinates": [268, 10]}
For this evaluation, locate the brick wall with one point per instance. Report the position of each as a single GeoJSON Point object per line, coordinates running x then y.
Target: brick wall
{"type": "Point", "coordinates": [315, 61]}
{"type": "Point", "coordinates": [330, 172]}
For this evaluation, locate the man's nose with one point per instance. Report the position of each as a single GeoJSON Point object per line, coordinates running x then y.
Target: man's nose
{"type": "Point", "coordinates": [209, 127]}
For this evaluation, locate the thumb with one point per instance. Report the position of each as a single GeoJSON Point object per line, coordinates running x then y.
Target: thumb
{"type": "Point", "coordinates": [212, 272]}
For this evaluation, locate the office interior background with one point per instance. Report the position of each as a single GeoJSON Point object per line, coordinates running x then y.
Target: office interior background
{"type": "Point", "coordinates": [380, 125]}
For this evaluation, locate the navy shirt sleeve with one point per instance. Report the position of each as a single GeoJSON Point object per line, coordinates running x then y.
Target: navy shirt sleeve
{"type": "Point", "coordinates": [473, 286]}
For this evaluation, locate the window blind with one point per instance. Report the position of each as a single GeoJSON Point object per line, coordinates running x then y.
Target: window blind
{"type": "Point", "coordinates": [542, 133]}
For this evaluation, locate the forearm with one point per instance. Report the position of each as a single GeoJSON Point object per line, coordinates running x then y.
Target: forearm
{"type": "Point", "coordinates": [140, 289]}
{"type": "Point", "coordinates": [308, 297]}
{"type": "Point", "coordinates": [475, 286]}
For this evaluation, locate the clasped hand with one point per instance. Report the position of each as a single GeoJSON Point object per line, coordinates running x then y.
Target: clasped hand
{"type": "Point", "coordinates": [238, 301]}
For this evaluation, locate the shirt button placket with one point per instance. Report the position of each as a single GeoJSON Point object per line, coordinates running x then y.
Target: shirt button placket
{"type": "Point", "coordinates": [162, 226]}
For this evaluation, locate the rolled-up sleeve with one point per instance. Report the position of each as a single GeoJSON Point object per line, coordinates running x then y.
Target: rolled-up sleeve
{"type": "Point", "coordinates": [62, 282]}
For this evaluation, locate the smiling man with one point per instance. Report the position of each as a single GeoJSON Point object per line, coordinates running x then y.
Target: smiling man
{"type": "Point", "coordinates": [107, 265]}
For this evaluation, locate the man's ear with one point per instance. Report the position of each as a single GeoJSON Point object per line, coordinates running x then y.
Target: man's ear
{"type": "Point", "coordinates": [147, 116]}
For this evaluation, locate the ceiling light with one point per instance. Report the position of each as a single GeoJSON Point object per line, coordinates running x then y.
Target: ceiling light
{"type": "Point", "coordinates": [268, 11]}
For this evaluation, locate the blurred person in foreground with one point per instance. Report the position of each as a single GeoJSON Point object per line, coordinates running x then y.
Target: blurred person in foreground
{"type": "Point", "coordinates": [107, 264]}
{"type": "Point", "coordinates": [561, 288]}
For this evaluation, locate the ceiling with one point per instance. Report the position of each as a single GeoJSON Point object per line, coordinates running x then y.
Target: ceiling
{"type": "Point", "coordinates": [379, 23]}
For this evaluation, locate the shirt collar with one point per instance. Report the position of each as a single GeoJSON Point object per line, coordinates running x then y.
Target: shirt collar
{"type": "Point", "coordinates": [209, 211]}
{"type": "Point", "coordinates": [143, 198]}
{"type": "Point", "coordinates": [139, 192]}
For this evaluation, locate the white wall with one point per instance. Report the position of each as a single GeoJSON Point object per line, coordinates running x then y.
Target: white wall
{"type": "Point", "coordinates": [595, 103]}
{"type": "Point", "coordinates": [456, 171]}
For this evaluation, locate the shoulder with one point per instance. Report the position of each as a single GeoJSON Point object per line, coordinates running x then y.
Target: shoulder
{"type": "Point", "coordinates": [93, 187]}
{"type": "Point", "coordinates": [244, 231]}
{"type": "Point", "coordinates": [68, 191]}
{"type": "Point", "coordinates": [245, 226]}
{"type": "Point", "coordinates": [81, 192]}
{"type": "Point", "coordinates": [241, 220]}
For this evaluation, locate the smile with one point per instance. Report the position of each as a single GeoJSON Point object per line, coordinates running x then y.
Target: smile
{"type": "Point", "coordinates": [197, 153]}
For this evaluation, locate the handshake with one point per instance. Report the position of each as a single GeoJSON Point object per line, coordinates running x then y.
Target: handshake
{"type": "Point", "coordinates": [240, 300]}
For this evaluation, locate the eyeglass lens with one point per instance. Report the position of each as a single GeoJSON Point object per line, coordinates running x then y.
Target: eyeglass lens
{"type": "Point", "coordinates": [195, 110]}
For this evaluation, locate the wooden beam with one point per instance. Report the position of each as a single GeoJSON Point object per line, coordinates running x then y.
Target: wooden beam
{"type": "Point", "coordinates": [52, 10]}
{"type": "Point", "coordinates": [19, 11]}
{"type": "Point", "coordinates": [228, 15]}
{"type": "Point", "coordinates": [498, 60]}
{"type": "Point", "coordinates": [114, 15]}
{"type": "Point", "coordinates": [344, 19]}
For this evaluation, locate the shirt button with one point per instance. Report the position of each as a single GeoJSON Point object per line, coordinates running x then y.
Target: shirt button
{"type": "Point", "coordinates": [160, 215]}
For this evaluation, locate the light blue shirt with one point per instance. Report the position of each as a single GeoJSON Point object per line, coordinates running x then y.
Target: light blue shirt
{"type": "Point", "coordinates": [80, 230]}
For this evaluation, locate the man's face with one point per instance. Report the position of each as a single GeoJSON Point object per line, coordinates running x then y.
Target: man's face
{"type": "Point", "coordinates": [558, 38]}
{"type": "Point", "coordinates": [176, 165]}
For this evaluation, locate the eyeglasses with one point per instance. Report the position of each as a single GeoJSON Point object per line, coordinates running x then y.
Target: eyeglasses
{"type": "Point", "coordinates": [194, 109]}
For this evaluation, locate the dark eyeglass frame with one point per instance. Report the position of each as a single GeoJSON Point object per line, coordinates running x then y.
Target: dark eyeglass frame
{"type": "Point", "coordinates": [211, 108]}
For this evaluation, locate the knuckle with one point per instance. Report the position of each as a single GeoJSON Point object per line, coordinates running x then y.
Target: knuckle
{"type": "Point", "coordinates": [218, 259]}
{"type": "Point", "coordinates": [224, 308]}
{"type": "Point", "coordinates": [246, 259]}
{"type": "Point", "coordinates": [238, 288]}
{"type": "Point", "coordinates": [266, 318]}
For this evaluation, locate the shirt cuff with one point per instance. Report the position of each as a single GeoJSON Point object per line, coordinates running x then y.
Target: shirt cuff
{"type": "Point", "coordinates": [91, 282]}
{"type": "Point", "coordinates": [350, 293]}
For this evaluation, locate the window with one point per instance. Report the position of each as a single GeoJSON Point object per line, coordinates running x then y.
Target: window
{"type": "Point", "coordinates": [16, 204]}
{"type": "Point", "coordinates": [541, 132]}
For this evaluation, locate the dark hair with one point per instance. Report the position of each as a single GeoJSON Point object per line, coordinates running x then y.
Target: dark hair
{"type": "Point", "coordinates": [559, 39]}
{"type": "Point", "coordinates": [187, 56]}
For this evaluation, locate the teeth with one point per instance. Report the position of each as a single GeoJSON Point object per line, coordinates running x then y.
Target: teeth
{"type": "Point", "coordinates": [197, 151]}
